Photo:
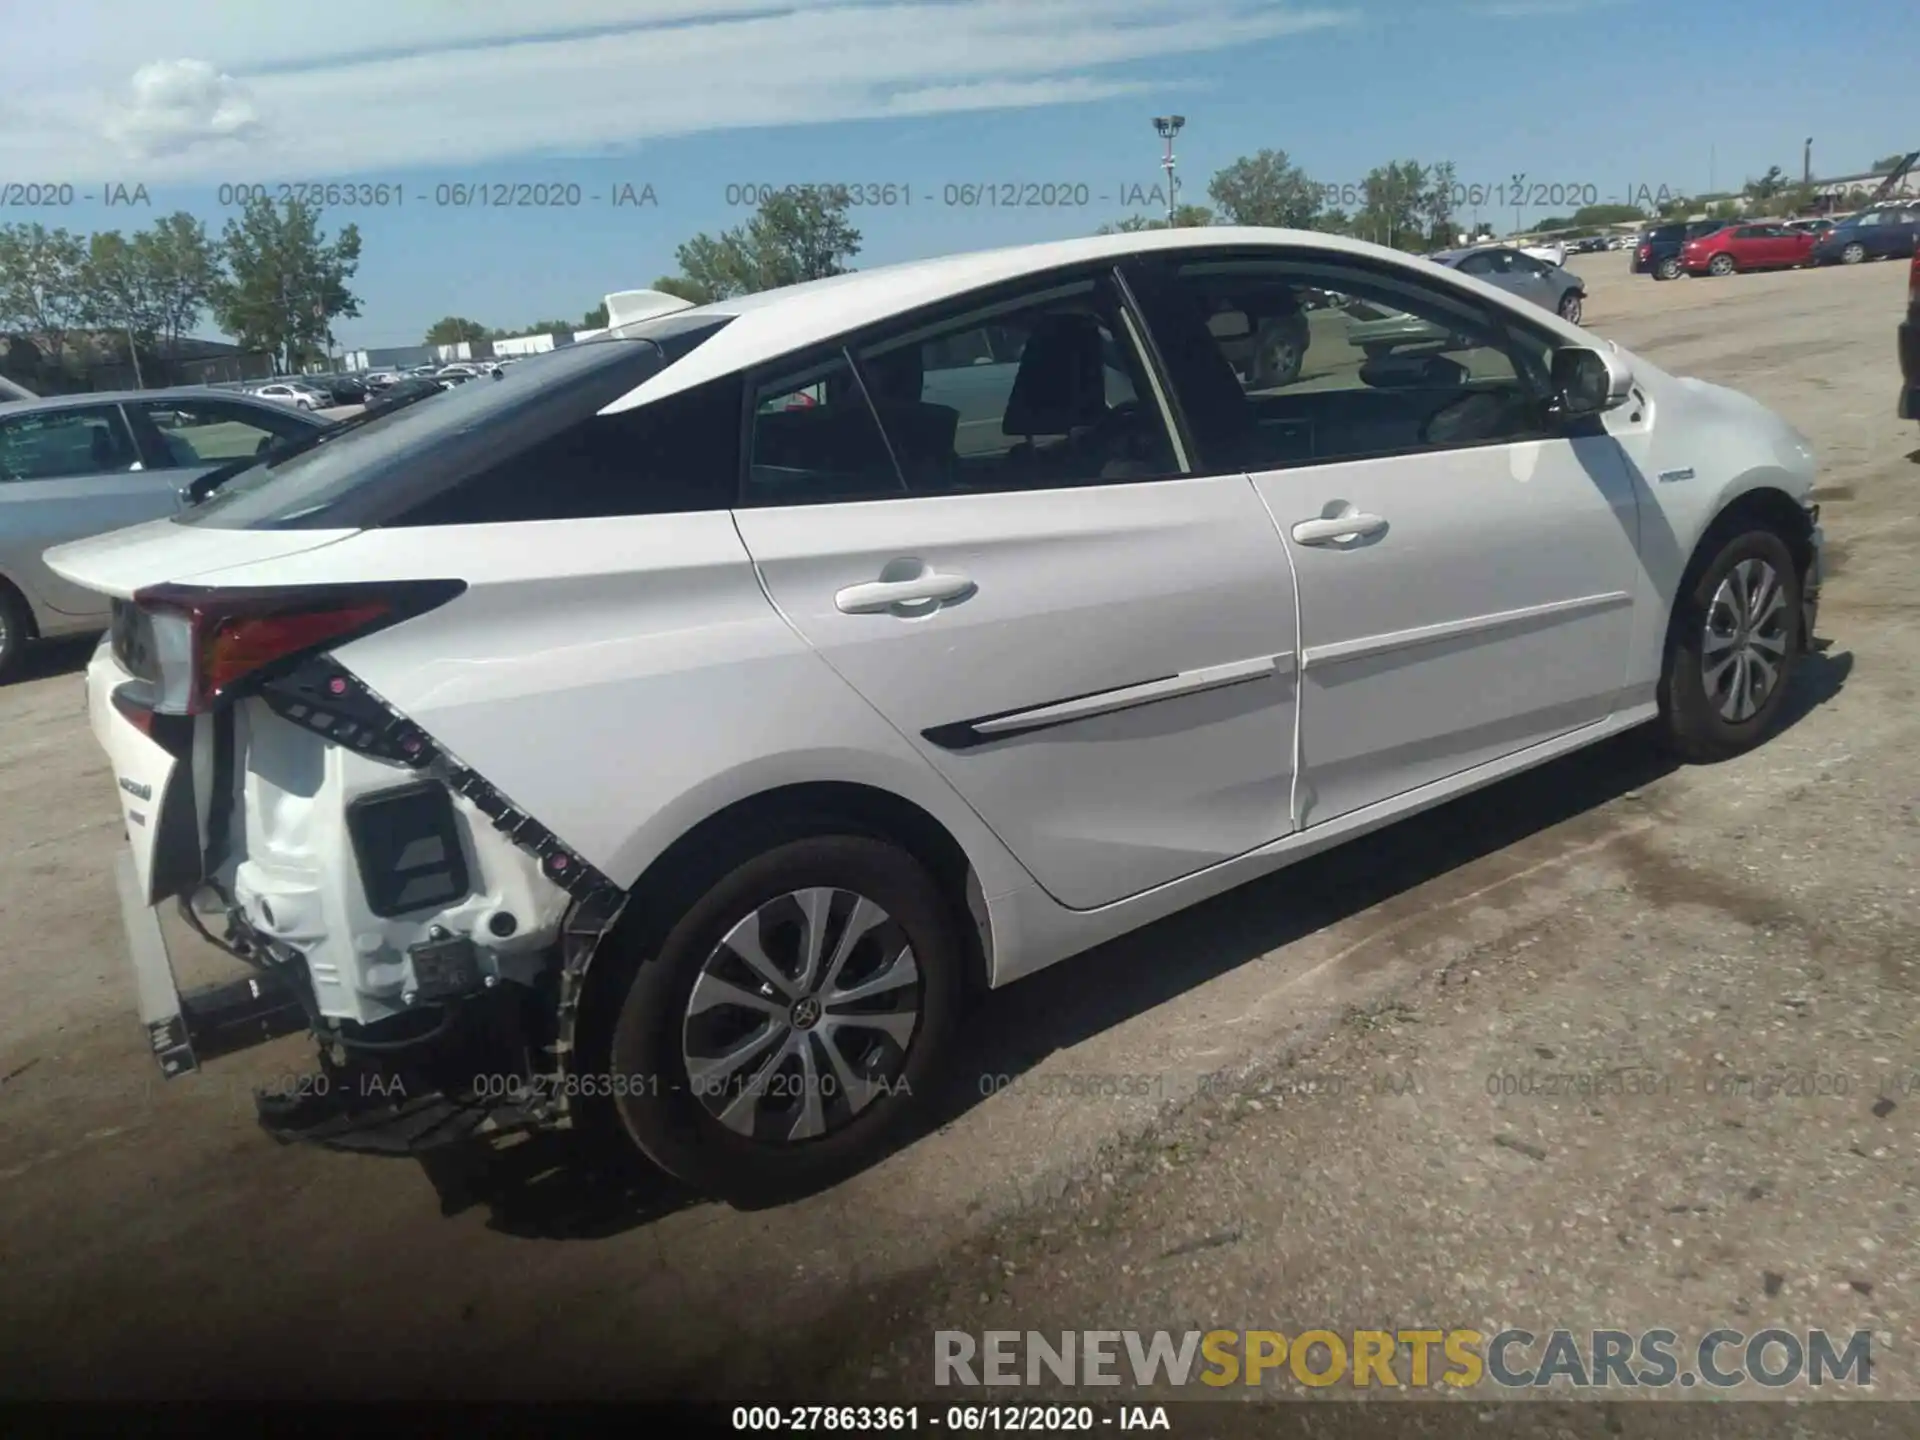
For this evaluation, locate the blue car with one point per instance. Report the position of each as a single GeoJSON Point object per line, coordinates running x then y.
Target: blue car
{"type": "Point", "coordinates": [1883, 232]}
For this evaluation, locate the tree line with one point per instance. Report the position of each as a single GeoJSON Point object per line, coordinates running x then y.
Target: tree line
{"type": "Point", "coordinates": [271, 280]}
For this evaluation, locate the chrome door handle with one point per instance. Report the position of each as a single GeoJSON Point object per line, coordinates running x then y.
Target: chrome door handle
{"type": "Point", "coordinates": [1339, 527]}
{"type": "Point", "coordinates": [879, 596]}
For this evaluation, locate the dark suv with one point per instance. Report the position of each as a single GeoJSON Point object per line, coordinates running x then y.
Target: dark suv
{"type": "Point", "coordinates": [1657, 251]}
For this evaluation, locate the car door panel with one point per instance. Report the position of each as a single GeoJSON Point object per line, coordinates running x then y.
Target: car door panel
{"type": "Point", "coordinates": [1491, 612]}
{"type": "Point", "coordinates": [1113, 696]}
{"type": "Point", "coordinates": [41, 507]}
{"type": "Point", "coordinates": [1464, 593]}
{"type": "Point", "coordinates": [1103, 671]}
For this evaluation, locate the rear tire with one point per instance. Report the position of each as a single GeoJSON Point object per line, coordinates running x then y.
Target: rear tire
{"type": "Point", "coordinates": [1720, 265]}
{"type": "Point", "coordinates": [1667, 270]}
{"type": "Point", "coordinates": [1732, 648]}
{"type": "Point", "coordinates": [16, 630]}
{"type": "Point", "coordinates": [765, 1130]}
{"type": "Point", "coordinates": [1571, 307]}
{"type": "Point", "coordinates": [1853, 254]}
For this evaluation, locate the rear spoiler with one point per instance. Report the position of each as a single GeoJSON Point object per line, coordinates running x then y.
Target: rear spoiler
{"type": "Point", "coordinates": [626, 306]}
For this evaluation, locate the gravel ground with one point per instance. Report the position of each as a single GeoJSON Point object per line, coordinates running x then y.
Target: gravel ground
{"type": "Point", "coordinates": [1611, 1045]}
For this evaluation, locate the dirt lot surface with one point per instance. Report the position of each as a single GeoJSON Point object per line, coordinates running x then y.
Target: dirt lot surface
{"type": "Point", "coordinates": [1610, 1045]}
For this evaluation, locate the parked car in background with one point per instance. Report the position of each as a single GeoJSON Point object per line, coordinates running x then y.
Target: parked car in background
{"type": "Point", "coordinates": [405, 392]}
{"type": "Point", "coordinates": [1883, 232]}
{"type": "Point", "coordinates": [379, 379]}
{"type": "Point", "coordinates": [491, 681]}
{"type": "Point", "coordinates": [298, 394]}
{"type": "Point", "coordinates": [1657, 252]}
{"type": "Point", "coordinates": [1746, 247]}
{"type": "Point", "coordinates": [341, 389]}
{"type": "Point", "coordinates": [1524, 274]}
{"type": "Point", "coordinates": [1909, 346]}
{"type": "Point", "coordinates": [78, 465]}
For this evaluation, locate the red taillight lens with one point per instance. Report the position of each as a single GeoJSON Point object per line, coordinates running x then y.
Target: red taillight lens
{"type": "Point", "coordinates": [236, 646]}
{"type": "Point", "coordinates": [211, 641]}
{"type": "Point", "coordinates": [1913, 281]}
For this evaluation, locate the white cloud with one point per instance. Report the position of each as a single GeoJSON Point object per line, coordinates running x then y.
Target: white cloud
{"type": "Point", "coordinates": [392, 85]}
{"type": "Point", "coordinates": [178, 106]}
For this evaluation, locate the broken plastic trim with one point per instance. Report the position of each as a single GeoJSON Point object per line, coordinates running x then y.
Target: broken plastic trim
{"type": "Point", "coordinates": [324, 697]}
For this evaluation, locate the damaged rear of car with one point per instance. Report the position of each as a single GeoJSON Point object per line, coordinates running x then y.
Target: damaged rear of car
{"type": "Point", "coordinates": [291, 699]}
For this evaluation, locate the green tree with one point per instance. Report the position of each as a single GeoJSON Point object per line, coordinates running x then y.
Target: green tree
{"type": "Point", "coordinates": [793, 237]}
{"type": "Point", "coordinates": [1266, 188]}
{"type": "Point", "coordinates": [596, 318]}
{"type": "Point", "coordinates": [122, 291]}
{"type": "Point", "coordinates": [454, 329]}
{"type": "Point", "coordinates": [1724, 210]}
{"type": "Point", "coordinates": [1768, 185]}
{"type": "Point", "coordinates": [1436, 203]}
{"type": "Point", "coordinates": [1887, 162]}
{"type": "Point", "coordinates": [285, 283]}
{"type": "Point", "coordinates": [43, 295]}
{"type": "Point", "coordinates": [1391, 212]}
{"type": "Point", "coordinates": [1184, 216]}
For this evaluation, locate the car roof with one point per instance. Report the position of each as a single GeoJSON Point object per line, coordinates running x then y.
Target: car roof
{"type": "Point", "coordinates": [772, 323]}
{"type": "Point", "coordinates": [118, 397]}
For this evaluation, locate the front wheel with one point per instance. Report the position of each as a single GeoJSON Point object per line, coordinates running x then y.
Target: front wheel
{"type": "Point", "coordinates": [779, 1038]}
{"type": "Point", "coordinates": [1734, 644]}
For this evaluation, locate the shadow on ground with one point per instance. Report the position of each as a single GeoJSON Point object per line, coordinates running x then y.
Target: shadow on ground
{"type": "Point", "coordinates": [546, 1188]}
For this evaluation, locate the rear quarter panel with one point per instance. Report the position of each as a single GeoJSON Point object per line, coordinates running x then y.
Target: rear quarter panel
{"type": "Point", "coordinates": [622, 680]}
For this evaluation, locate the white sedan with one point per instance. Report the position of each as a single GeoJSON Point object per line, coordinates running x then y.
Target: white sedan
{"type": "Point", "coordinates": [681, 731]}
{"type": "Point", "coordinates": [301, 397]}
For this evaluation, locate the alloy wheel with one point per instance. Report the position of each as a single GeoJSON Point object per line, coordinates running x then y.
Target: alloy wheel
{"type": "Point", "coordinates": [1570, 309]}
{"type": "Point", "coordinates": [1744, 649]}
{"type": "Point", "coordinates": [1853, 254]}
{"type": "Point", "coordinates": [801, 1016]}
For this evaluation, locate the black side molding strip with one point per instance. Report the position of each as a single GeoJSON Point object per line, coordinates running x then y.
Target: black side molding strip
{"type": "Point", "coordinates": [963, 735]}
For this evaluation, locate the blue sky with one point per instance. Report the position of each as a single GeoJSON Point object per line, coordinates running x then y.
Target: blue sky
{"type": "Point", "coordinates": [693, 96]}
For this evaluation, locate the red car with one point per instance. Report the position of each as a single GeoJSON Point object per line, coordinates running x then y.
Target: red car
{"type": "Point", "coordinates": [1746, 247]}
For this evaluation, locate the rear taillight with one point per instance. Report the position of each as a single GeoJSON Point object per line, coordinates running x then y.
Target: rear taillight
{"type": "Point", "coordinates": [205, 644]}
{"type": "Point", "coordinates": [1913, 280]}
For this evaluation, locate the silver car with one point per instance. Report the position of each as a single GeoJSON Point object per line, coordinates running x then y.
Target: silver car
{"type": "Point", "coordinates": [78, 465]}
{"type": "Point", "coordinates": [1548, 286]}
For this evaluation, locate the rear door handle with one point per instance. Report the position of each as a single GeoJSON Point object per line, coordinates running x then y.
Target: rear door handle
{"type": "Point", "coordinates": [879, 596]}
{"type": "Point", "coordinates": [1340, 527]}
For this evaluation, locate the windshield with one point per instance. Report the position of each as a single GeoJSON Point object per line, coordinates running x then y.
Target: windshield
{"type": "Point", "coordinates": [339, 484]}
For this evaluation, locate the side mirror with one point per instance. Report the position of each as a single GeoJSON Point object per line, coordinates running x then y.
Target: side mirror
{"type": "Point", "coordinates": [1588, 382]}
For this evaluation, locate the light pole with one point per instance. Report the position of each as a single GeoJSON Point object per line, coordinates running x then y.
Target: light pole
{"type": "Point", "coordinates": [1168, 126]}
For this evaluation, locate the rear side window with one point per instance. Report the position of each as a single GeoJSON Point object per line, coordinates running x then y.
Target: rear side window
{"type": "Point", "coordinates": [678, 454]}
{"type": "Point", "coordinates": [401, 465]}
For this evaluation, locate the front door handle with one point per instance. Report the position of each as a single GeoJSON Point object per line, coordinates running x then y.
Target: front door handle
{"type": "Point", "coordinates": [1338, 527]}
{"type": "Point", "coordinates": [879, 596]}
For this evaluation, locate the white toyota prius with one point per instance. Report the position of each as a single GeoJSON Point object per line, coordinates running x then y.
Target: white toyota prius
{"type": "Point", "coordinates": [664, 743]}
